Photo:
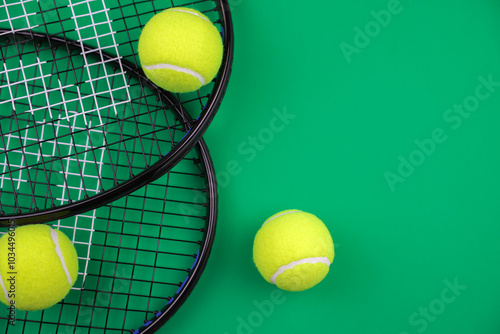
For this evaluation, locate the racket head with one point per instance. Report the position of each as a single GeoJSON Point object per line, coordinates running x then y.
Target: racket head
{"type": "Point", "coordinates": [140, 256]}
{"type": "Point", "coordinates": [108, 91]}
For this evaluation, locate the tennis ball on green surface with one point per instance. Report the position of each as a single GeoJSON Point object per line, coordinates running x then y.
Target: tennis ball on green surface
{"type": "Point", "coordinates": [38, 267]}
{"type": "Point", "coordinates": [180, 50]}
{"type": "Point", "coordinates": [293, 250]}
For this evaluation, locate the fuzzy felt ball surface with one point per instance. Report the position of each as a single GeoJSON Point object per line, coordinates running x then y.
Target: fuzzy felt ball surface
{"type": "Point", "coordinates": [38, 267]}
{"type": "Point", "coordinates": [293, 250]}
{"type": "Point", "coordinates": [180, 50]}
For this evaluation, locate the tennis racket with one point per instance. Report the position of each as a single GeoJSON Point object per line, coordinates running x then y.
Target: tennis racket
{"type": "Point", "coordinates": [139, 256]}
{"type": "Point", "coordinates": [80, 124]}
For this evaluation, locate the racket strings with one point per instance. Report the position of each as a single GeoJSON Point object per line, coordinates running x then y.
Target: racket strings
{"type": "Point", "coordinates": [88, 122]}
{"type": "Point", "coordinates": [29, 86]}
{"type": "Point", "coordinates": [138, 259]}
{"type": "Point", "coordinates": [75, 110]}
{"type": "Point", "coordinates": [140, 255]}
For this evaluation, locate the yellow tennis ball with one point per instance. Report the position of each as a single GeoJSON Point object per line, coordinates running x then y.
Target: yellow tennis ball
{"type": "Point", "coordinates": [180, 50]}
{"type": "Point", "coordinates": [293, 250]}
{"type": "Point", "coordinates": [38, 267]}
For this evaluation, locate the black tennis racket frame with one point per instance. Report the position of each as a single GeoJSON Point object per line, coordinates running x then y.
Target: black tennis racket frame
{"type": "Point", "coordinates": [195, 132]}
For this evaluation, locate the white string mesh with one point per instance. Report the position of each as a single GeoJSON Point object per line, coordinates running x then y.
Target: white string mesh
{"type": "Point", "coordinates": [148, 248]}
{"type": "Point", "coordinates": [75, 107]}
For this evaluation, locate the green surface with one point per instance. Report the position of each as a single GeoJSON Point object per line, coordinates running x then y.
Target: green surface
{"type": "Point", "coordinates": [397, 250]}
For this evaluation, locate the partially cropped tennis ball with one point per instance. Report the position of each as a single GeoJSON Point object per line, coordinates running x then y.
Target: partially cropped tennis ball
{"type": "Point", "coordinates": [180, 50]}
{"type": "Point", "coordinates": [294, 250]}
{"type": "Point", "coordinates": [38, 267]}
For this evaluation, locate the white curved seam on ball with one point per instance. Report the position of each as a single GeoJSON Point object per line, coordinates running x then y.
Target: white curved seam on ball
{"type": "Point", "coordinates": [284, 213]}
{"type": "Point", "coordinates": [4, 289]}
{"type": "Point", "coordinates": [178, 69]}
{"type": "Point", "coordinates": [55, 239]}
{"type": "Point", "coordinates": [187, 11]}
{"type": "Point", "coordinates": [282, 269]}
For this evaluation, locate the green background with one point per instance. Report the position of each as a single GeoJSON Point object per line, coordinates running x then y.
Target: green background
{"type": "Point", "coordinates": [399, 248]}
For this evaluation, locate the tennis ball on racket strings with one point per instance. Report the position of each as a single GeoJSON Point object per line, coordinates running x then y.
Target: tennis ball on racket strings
{"type": "Point", "coordinates": [180, 50]}
{"type": "Point", "coordinates": [293, 250]}
{"type": "Point", "coordinates": [38, 267]}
